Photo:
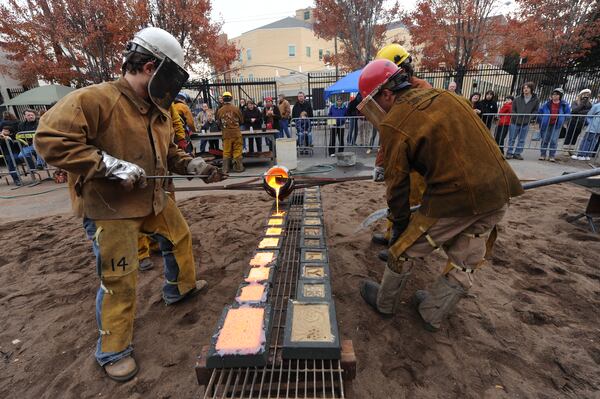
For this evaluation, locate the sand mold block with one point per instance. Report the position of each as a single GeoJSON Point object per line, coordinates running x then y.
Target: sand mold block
{"type": "Point", "coordinates": [311, 331]}
{"type": "Point", "coordinates": [313, 290]}
{"type": "Point", "coordinates": [242, 337]}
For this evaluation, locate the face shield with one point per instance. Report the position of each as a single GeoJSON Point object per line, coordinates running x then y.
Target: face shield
{"type": "Point", "coordinates": [165, 84]}
{"type": "Point", "coordinates": [371, 110]}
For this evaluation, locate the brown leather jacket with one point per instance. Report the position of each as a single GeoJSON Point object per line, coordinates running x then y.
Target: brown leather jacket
{"type": "Point", "coordinates": [285, 109]}
{"type": "Point", "coordinates": [109, 117]}
{"type": "Point", "coordinates": [438, 135]}
{"type": "Point", "coordinates": [230, 118]}
{"type": "Point", "coordinates": [184, 111]}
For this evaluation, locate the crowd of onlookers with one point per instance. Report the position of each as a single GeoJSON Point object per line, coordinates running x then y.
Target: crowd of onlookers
{"type": "Point", "coordinates": [554, 116]}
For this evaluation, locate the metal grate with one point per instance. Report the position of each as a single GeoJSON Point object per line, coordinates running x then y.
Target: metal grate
{"type": "Point", "coordinates": [282, 378]}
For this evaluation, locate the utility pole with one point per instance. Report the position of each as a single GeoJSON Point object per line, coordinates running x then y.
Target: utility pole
{"type": "Point", "coordinates": [335, 56]}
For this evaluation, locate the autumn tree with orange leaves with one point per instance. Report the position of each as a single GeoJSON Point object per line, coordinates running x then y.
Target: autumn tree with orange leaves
{"type": "Point", "coordinates": [79, 42]}
{"type": "Point", "coordinates": [456, 34]}
{"type": "Point", "coordinates": [555, 32]}
{"type": "Point", "coordinates": [359, 26]}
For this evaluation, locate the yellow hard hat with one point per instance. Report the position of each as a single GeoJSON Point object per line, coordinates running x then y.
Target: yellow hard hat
{"type": "Point", "coordinates": [225, 94]}
{"type": "Point", "coordinates": [393, 52]}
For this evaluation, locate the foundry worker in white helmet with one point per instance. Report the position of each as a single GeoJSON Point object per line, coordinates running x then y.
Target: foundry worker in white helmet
{"type": "Point", "coordinates": [108, 137]}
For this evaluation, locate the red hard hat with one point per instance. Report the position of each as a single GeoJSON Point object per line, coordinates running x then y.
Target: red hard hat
{"type": "Point", "coordinates": [375, 74]}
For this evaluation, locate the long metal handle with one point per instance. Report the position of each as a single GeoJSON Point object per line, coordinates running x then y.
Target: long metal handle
{"type": "Point", "coordinates": [561, 179]}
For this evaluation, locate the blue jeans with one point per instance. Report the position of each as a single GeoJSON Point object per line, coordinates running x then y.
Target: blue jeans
{"type": "Point", "coordinates": [586, 148]}
{"type": "Point", "coordinates": [352, 132]}
{"type": "Point", "coordinates": [284, 128]}
{"type": "Point", "coordinates": [514, 132]}
{"type": "Point", "coordinates": [304, 138]}
{"type": "Point", "coordinates": [549, 135]}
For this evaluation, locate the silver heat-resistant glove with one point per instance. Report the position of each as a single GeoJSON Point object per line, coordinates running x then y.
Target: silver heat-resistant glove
{"type": "Point", "coordinates": [129, 173]}
{"type": "Point", "coordinates": [198, 166]}
{"type": "Point", "coordinates": [378, 174]}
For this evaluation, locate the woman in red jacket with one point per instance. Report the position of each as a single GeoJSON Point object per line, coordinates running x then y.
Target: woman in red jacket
{"type": "Point", "coordinates": [503, 122]}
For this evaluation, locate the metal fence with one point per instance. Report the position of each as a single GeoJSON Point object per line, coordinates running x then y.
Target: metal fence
{"type": "Point", "coordinates": [208, 91]}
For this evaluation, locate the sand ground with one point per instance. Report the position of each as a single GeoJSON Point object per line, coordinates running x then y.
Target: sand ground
{"type": "Point", "coordinates": [529, 329]}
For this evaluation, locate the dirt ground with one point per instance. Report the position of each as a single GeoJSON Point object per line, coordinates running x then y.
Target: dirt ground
{"type": "Point", "coordinates": [530, 328]}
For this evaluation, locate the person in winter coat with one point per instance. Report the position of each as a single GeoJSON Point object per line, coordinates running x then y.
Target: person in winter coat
{"type": "Point", "coordinates": [552, 116]}
{"type": "Point", "coordinates": [353, 121]}
{"type": "Point", "coordinates": [271, 117]}
{"type": "Point", "coordinates": [253, 119]}
{"type": "Point", "coordinates": [488, 108]}
{"type": "Point", "coordinates": [581, 106]}
{"type": "Point", "coordinates": [503, 122]}
{"type": "Point", "coordinates": [301, 105]}
{"type": "Point", "coordinates": [337, 111]}
{"type": "Point", "coordinates": [9, 147]}
{"type": "Point", "coordinates": [304, 130]}
{"type": "Point", "coordinates": [589, 144]}
{"type": "Point", "coordinates": [526, 103]}
{"type": "Point", "coordinates": [474, 99]}
{"type": "Point", "coordinates": [285, 110]}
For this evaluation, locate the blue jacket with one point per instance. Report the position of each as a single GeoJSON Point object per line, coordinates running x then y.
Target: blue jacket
{"type": "Point", "coordinates": [303, 125]}
{"type": "Point", "coordinates": [546, 109]}
{"type": "Point", "coordinates": [334, 111]}
{"type": "Point", "coordinates": [594, 121]}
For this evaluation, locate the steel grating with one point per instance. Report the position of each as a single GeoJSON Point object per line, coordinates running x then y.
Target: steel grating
{"type": "Point", "coordinates": [282, 378]}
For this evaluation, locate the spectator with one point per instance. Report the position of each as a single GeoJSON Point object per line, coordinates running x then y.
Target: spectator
{"type": "Point", "coordinates": [552, 116]}
{"type": "Point", "coordinates": [271, 117]}
{"type": "Point", "coordinates": [580, 107]}
{"type": "Point", "coordinates": [303, 127]}
{"type": "Point", "coordinates": [452, 86]}
{"type": "Point", "coordinates": [474, 99]}
{"type": "Point", "coordinates": [337, 111]}
{"type": "Point", "coordinates": [489, 108]}
{"type": "Point", "coordinates": [206, 121]}
{"type": "Point", "coordinates": [243, 105]}
{"type": "Point", "coordinates": [285, 110]}
{"type": "Point", "coordinates": [301, 105]}
{"type": "Point", "coordinates": [8, 145]}
{"type": "Point", "coordinates": [526, 103]}
{"type": "Point", "coordinates": [253, 121]}
{"type": "Point", "coordinates": [28, 153]}
{"type": "Point", "coordinates": [353, 121]}
{"type": "Point", "coordinates": [589, 145]}
{"type": "Point", "coordinates": [503, 122]}
{"type": "Point", "coordinates": [220, 102]}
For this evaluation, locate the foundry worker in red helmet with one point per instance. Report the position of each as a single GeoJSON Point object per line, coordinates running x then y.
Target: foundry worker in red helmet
{"type": "Point", "coordinates": [468, 187]}
{"type": "Point", "coordinates": [402, 58]}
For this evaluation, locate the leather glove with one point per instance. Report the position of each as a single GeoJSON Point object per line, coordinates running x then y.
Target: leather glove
{"type": "Point", "coordinates": [198, 166]}
{"type": "Point", "coordinates": [378, 174]}
{"type": "Point", "coordinates": [129, 173]}
{"type": "Point", "coordinates": [183, 144]}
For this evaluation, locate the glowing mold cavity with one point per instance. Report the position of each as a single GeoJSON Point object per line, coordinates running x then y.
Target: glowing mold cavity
{"type": "Point", "coordinates": [242, 333]}
{"type": "Point", "coordinates": [275, 222]}
{"type": "Point", "coordinates": [258, 274]}
{"type": "Point", "coordinates": [263, 259]}
{"type": "Point", "coordinates": [252, 293]}
{"type": "Point", "coordinates": [274, 231]}
{"type": "Point", "coordinates": [269, 242]}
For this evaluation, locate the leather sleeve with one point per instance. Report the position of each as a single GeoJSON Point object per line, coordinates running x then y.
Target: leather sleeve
{"type": "Point", "coordinates": [177, 159]}
{"type": "Point", "coordinates": [62, 136]}
{"type": "Point", "coordinates": [397, 177]}
{"type": "Point", "coordinates": [177, 124]}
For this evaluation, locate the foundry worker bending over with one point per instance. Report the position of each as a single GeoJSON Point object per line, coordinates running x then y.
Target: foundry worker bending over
{"type": "Point", "coordinates": [109, 137]}
{"type": "Point", "coordinates": [468, 187]}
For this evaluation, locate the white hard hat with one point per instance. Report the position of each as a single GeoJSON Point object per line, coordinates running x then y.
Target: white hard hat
{"type": "Point", "coordinates": [159, 43]}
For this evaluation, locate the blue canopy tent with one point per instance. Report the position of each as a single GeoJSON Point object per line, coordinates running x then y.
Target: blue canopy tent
{"type": "Point", "coordinates": [347, 84]}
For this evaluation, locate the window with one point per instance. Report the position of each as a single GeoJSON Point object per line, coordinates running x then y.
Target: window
{"type": "Point", "coordinates": [241, 57]}
{"type": "Point", "coordinates": [250, 76]}
{"type": "Point", "coordinates": [306, 15]}
{"type": "Point", "coordinates": [320, 54]}
{"type": "Point", "coordinates": [292, 50]}
{"type": "Point", "coordinates": [308, 52]}
{"type": "Point", "coordinates": [249, 54]}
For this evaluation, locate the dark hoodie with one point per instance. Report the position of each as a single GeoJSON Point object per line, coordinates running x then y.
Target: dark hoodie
{"type": "Point", "coordinates": [519, 106]}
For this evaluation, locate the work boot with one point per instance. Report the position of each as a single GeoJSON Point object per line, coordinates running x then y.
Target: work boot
{"type": "Point", "coordinates": [238, 166]}
{"type": "Point", "coordinates": [383, 255]}
{"type": "Point", "coordinates": [385, 298]}
{"type": "Point", "coordinates": [379, 238]}
{"type": "Point", "coordinates": [122, 370]}
{"type": "Point", "coordinates": [146, 264]}
{"type": "Point", "coordinates": [435, 305]}
{"type": "Point", "coordinates": [200, 286]}
{"type": "Point", "coordinates": [226, 165]}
